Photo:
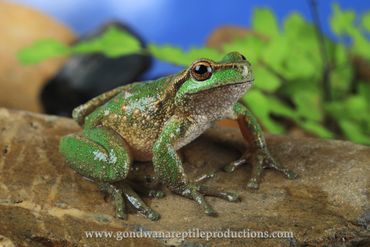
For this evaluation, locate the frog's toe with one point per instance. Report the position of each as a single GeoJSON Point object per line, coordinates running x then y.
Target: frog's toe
{"type": "Point", "coordinates": [228, 196]}
{"type": "Point", "coordinates": [235, 164]}
{"type": "Point", "coordinates": [146, 190]}
{"type": "Point", "coordinates": [139, 204]}
{"type": "Point", "coordinates": [156, 193]}
{"type": "Point", "coordinates": [229, 168]}
{"type": "Point", "coordinates": [208, 209]}
{"type": "Point", "coordinates": [152, 215]}
{"type": "Point", "coordinates": [271, 163]}
{"type": "Point", "coordinates": [211, 212]}
{"type": "Point", "coordinates": [121, 215]}
{"type": "Point", "coordinates": [290, 174]}
{"type": "Point", "coordinates": [253, 184]}
{"type": "Point", "coordinates": [232, 197]}
{"type": "Point", "coordinates": [116, 193]}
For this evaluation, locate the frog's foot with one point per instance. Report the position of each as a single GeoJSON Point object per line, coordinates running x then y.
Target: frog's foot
{"type": "Point", "coordinates": [206, 176]}
{"type": "Point", "coordinates": [259, 161]}
{"type": "Point", "coordinates": [131, 196]}
{"type": "Point", "coordinates": [197, 192]}
{"type": "Point", "coordinates": [146, 190]}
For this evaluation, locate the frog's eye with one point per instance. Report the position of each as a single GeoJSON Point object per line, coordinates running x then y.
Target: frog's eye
{"type": "Point", "coordinates": [201, 71]}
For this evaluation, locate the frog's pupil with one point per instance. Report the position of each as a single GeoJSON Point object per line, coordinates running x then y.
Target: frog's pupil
{"type": "Point", "coordinates": [201, 69]}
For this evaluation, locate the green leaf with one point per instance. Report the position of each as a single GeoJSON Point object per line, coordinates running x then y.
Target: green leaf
{"type": "Point", "coordinates": [361, 45]}
{"type": "Point", "coordinates": [260, 106]}
{"type": "Point", "coordinates": [353, 132]}
{"type": "Point", "coordinates": [265, 80]}
{"type": "Point", "coordinates": [177, 56]}
{"type": "Point", "coordinates": [264, 21]}
{"type": "Point", "coordinates": [275, 53]}
{"type": "Point", "coordinates": [354, 108]}
{"type": "Point", "coordinates": [280, 109]}
{"type": "Point", "coordinates": [340, 81]}
{"type": "Point", "coordinates": [316, 129]}
{"type": "Point", "coordinates": [308, 105]}
{"type": "Point", "coordinates": [341, 55]}
{"type": "Point", "coordinates": [366, 21]}
{"type": "Point", "coordinates": [364, 91]}
{"type": "Point", "coordinates": [112, 43]}
{"type": "Point", "coordinates": [299, 66]}
{"type": "Point", "coordinates": [343, 24]}
{"type": "Point", "coordinates": [41, 50]}
{"type": "Point", "coordinates": [356, 105]}
{"type": "Point", "coordinates": [250, 46]}
{"type": "Point", "coordinates": [341, 21]}
{"type": "Point", "coordinates": [297, 28]}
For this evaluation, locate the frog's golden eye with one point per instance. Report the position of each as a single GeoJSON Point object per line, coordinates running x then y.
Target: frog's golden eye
{"type": "Point", "coordinates": [201, 71]}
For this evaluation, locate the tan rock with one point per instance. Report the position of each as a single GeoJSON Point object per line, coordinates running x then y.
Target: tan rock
{"type": "Point", "coordinates": [43, 202]}
{"type": "Point", "coordinates": [6, 242]}
{"type": "Point", "coordinates": [19, 27]}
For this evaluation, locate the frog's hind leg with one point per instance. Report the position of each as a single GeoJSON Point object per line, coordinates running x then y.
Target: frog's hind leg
{"type": "Point", "coordinates": [117, 193]}
{"type": "Point", "coordinates": [97, 153]}
{"type": "Point", "coordinates": [103, 155]}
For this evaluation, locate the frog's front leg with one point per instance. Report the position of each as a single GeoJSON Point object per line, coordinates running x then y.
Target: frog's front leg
{"type": "Point", "coordinates": [102, 155]}
{"type": "Point", "coordinates": [169, 170]}
{"type": "Point", "coordinates": [258, 153]}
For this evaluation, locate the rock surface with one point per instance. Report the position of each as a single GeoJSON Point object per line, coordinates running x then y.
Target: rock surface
{"type": "Point", "coordinates": [44, 203]}
{"type": "Point", "coordinates": [20, 85]}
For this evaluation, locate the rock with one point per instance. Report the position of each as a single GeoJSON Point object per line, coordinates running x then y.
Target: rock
{"type": "Point", "coordinates": [20, 85]}
{"type": "Point", "coordinates": [85, 76]}
{"type": "Point", "coordinates": [6, 242]}
{"type": "Point", "coordinates": [43, 202]}
{"type": "Point", "coordinates": [225, 34]}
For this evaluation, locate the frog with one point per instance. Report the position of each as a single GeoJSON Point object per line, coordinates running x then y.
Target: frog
{"type": "Point", "coordinates": [154, 120]}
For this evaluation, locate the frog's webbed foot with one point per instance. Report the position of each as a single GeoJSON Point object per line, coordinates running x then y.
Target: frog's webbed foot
{"type": "Point", "coordinates": [260, 160]}
{"type": "Point", "coordinates": [124, 192]}
{"type": "Point", "coordinates": [197, 192]}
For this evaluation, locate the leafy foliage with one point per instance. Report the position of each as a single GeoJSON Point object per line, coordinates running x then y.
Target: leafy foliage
{"type": "Point", "coordinates": [288, 65]}
{"type": "Point", "coordinates": [112, 43]}
{"type": "Point", "coordinates": [41, 50]}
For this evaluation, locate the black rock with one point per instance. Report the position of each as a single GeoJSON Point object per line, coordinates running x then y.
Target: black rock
{"type": "Point", "coordinates": [85, 76]}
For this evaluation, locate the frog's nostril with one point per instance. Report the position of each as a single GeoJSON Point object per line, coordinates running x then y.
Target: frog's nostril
{"type": "Point", "coordinates": [243, 57]}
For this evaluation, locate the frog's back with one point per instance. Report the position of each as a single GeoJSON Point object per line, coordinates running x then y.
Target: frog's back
{"type": "Point", "coordinates": [137, 113]}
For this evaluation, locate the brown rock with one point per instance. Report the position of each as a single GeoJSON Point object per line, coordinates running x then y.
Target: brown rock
{"type": "Point", "coordinates": [19, 27]}
{"type": "Point", "coordinates": [6, 242]}
{"type": "Point", "coordinates": [226, 34]}
{"type": "Point", "coordinates": [43, 202]}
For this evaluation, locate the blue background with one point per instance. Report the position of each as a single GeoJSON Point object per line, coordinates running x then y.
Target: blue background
{"type": "Point", "coordinates": [182, 23]}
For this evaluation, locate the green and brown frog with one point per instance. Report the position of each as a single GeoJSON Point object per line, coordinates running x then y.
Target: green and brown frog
{"type": "Point", "coordinates": [153, 120]}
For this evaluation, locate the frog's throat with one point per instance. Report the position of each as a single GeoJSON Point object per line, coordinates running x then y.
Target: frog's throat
{"type": "Point", "coordinates": [221, 86]}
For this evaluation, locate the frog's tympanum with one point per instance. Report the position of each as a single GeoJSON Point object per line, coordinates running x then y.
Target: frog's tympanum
{"type": "Point", "coordinates": [153, 120]}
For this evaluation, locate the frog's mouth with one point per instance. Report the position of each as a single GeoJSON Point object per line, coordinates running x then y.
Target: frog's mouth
{"type": "Point", "coordinates": [223, 86]}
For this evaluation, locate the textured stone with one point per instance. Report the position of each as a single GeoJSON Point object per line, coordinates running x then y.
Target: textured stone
{"type": "Point", "coordinates": [45, 203]}
{"type": "Point", "coordinates": [20, 26]}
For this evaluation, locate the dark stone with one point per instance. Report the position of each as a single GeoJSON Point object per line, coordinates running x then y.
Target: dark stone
{"type": "Point", "coordinates": [85, 76]}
